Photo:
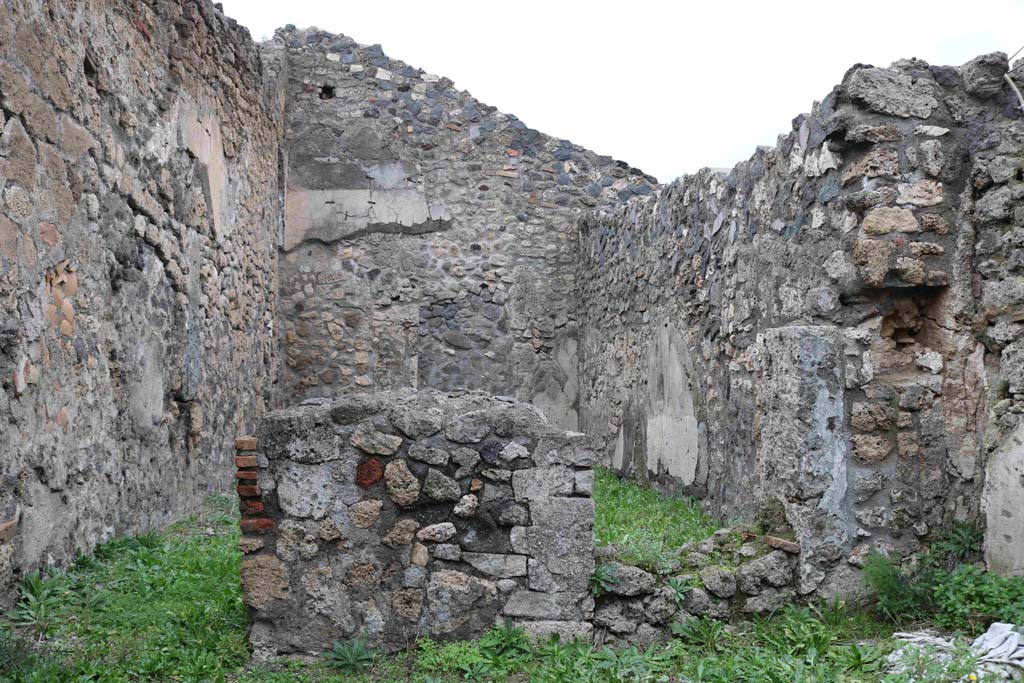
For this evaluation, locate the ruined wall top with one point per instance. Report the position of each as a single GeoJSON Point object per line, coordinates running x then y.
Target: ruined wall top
{"type": "Point", "coordinates": [831, 325]}
{"type": "Point", "coordinates": [430, 240]}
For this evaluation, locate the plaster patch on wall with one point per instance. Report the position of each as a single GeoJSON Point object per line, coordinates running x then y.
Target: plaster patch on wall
{"type": "Point", "coordinates": [559, 401]}
{"type": "Point", "coordinates": [1003, 503]}
{"type": "Point", "coordinates": [672, 438]}
{"type": "Point", "coordinates": [201, 135]}
{"type": "Point", "coordinates": [333, 215]}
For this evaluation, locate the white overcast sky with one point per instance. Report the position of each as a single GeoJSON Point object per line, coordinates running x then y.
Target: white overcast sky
{"type": "Point", "coordinates": [668, 87]}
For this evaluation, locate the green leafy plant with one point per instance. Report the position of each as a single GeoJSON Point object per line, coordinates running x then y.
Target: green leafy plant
{"type": "Point", "coordinates": [703, 632]}
{"type": "Point", "coordinates": [961, 544]}
{"type": "Point", "coordinates": [924, 664]}
{"type": "Point", "coordinates": [42, 600]}
{"type": "Point", "coordinates": [901, 597]}
{"type": "Point", "coordinates": [964, 598]}
{"type": "Point", "coordinates": [351, 656]}
{"type": "Point", "coordinates": [970, 598]}
{"type": "Point", "coordinates": [632, 665]}
{"type": "Point", "coordinates": [603, 579]}
{"type": "Point", "coordinates": [680, 587]}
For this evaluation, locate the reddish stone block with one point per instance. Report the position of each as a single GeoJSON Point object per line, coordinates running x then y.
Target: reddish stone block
{"type": "Point", "coordinates": [245, 461]}
{"type": "Point", "coordinates": [144, 30]}
{"type": "Point", "coordinates": [259, 525]}
{"type": "Point", "coordinates": [245, 443]}
{"type": "Point", "coordinates": [249, 491]}
{"type": "Point", "coordinates": [246, 474]}
{"type": "Point", "coordinates": [7, 529]}
{"type": "Point", "coordinates": [369, 472]}
{"type": "Point", "coordinates": [251, 507]}
{"type": "Point", "coordinates": [782, 544]}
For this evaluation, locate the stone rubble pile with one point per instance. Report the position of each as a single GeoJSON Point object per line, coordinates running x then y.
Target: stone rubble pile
{"type": "Point", "coordinates": [734, 572]}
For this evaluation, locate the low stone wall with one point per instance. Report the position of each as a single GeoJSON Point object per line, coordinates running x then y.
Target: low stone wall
{"type": "Point", "coordinates": [735, 572]}
{"type": "Point", "coordinates": [407, 514]}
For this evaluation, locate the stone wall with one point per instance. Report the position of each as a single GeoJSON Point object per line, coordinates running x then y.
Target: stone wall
{"type": "Point", "coordinates": [430, 240]}
{"type": "Point", "coordinates": [736, 572]}
{"type": "Point", "coordinates": [398, 515]}
{"type": "Point", "coordinates": [826, 335]}
{"type": "Point", "coordinates": [138, 167]}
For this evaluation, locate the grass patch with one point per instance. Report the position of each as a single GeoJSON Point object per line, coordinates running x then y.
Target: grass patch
{"type": "Point", "coordinates": [155, 607]}
{"type": "Point", "coordinates": [646, 528]}
{"type": "Point", "coordinates": [166, 608]}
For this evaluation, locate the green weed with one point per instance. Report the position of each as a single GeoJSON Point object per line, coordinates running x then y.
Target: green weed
{"type": "Point", "coordinates": [352, 656]}
{"type": "Point", "coordinates": [603, 579]}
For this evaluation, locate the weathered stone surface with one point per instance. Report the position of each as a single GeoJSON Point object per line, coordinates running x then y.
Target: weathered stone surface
{"type": "Point", "coordinates": [129, 362]}
{"type": "Point", "coordinates": [567, 631]}
{"type": "Point", "coordinates": [459, 604]}
{"type": "Point", "coordinates": [407, 603]}
{"type": "Point", "coordinates": [420, 557]}
{"type": "Point", "coordinates": [469, 428]}
{"type": "Point", "coordinates": [436, 533]}
{"type": "Point", "coordinates": [369, 472]}
{"type": "Point", "coordinates": [439, 487]}
{"type": "Point", "coordinates": [718, 581]}
{"type": "Point", "coordinates": [769, 600]}
{"type": "Point", "coordinates": [401, 533]}
{"type": "Point", "coordinates": [539, 483]}
{"type": "Point", "coordinates": [402, 485]}
{"type": "Point", "coordinates": [367, 439]}
{"type": "Point", "coordinates": [263, 580]}
{"type": "Point", "coordinates": [447, 551]}
{"type": "Point", "coordinates": [416, 423]}
{"type": "Point", "coordinates": [514, 515]}
{"type": "Point", "coordinates": [983, 75]}
{"type": "Point", "coordinates": [889, 92]}
{"type": "Point", "coordinates": [364, 514]}
{"type": "Point", "coordinates": [534, 605]}
{"type": "Point", "coordinates": [920, 193]}
{"type": "Point", "coordinates": [431, 456]}
{"type": "Point", "coordinates": [772, 569]}
{"type": "Point", "coordinates": [134, 248]}
{"type": "Point", "coordinates": [496, 565]}
{"type": "Point", "coordinates": [782, 544]}
{"type": "Point", "coordinates": [630, 580]}
{"type": "Point", "coordinates": [468, 506]}
{"type": "Point", "coordinates": [885, 219]}
{"type": "Point", "coordinates": [1003, 503]}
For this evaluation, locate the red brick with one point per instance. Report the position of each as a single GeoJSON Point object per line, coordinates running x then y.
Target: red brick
{"type": "Point", "coordinates": [251, 507]}
{"type": "Point", "coordinates": [369, 472]}
{"type": "Point", "coordinates": [7, 529]}
{"type": "Point", "coordinates": [259, 525]}
{"type": "Point", "coordinates": [247, 474]}
{"type": "Point", "coordinates": [245, 443]}
{"type": "Point", "coordinates": [245, 461]}
{"type": "Point", "coordinates": [249, 491]}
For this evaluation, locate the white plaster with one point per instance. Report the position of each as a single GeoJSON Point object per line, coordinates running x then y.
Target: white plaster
{"type": "Point", "coordinates": [1003, 503]}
